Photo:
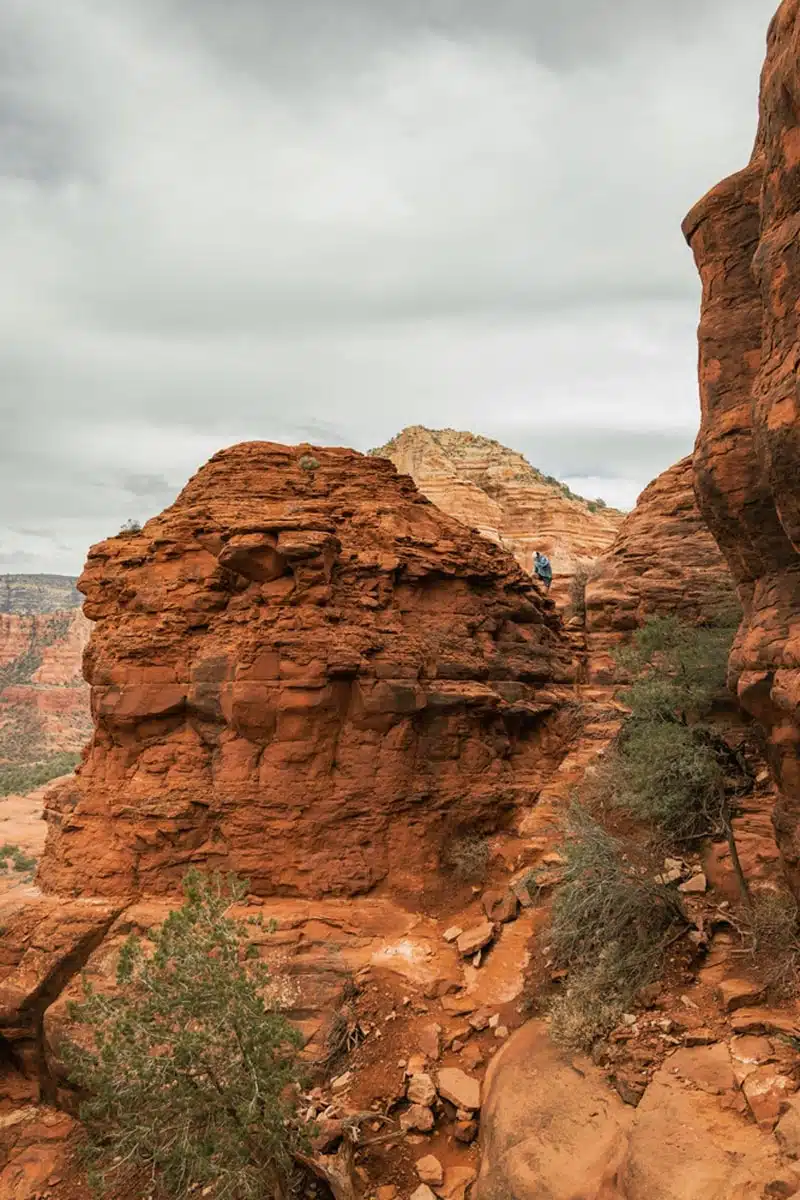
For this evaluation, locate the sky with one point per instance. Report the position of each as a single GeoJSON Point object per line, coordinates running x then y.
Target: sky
{"type": "Point", "coordinates": [324, 220]}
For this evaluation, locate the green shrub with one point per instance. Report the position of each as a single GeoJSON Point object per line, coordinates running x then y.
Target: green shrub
{"type": "Point", "coordinates": [19, 779]}
{"type": "Point", "coordinates": [610, 925]}
{"type": "Point", "coordinates": [667, 776]}
{"type": "Point", "coordinates": [467, 858]}
{"type": "Point", "coordinates": [20, 861]}
{"type": "Point", "coordinates": [688, 663]}
{"type": "Point", "coordinates": [189, 1070]}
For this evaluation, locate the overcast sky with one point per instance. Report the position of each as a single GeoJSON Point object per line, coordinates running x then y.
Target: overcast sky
{"type": "Point", "coordinates": [323, 220]}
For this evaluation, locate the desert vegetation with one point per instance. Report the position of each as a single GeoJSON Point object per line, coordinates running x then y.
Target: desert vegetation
{"type": "Point", "coordinates": [671, 780]}
{"type": "Point", "coordinates": [21, 778]}
{"type": "Point", "coordinates": [187, 1070]}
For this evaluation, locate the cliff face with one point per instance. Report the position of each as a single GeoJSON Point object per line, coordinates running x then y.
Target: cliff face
{"type": "Point", "coordinates": [663, 561]}
{"type": "Point", "coordinates": [496, 491]}
{"type": "Point", "coordinates": [305, 672]}
{"type": "Point", "coordinates": [743, 234]}
{"type": "Point", "coordinates": [44, 701]}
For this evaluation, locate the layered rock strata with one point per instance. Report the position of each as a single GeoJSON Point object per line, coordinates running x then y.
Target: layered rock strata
{"type": "Point", "coordinates": [44, 700]}
{"type": "Point", "coordinates": [496, 490]}
{"type": "Point", "coordinates": [743, 234]}
{"type": "Point", "coordinates": [304, 672]}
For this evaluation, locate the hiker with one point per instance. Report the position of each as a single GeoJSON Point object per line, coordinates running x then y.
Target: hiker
{"type": "Point", "coordinates": [542, 569]}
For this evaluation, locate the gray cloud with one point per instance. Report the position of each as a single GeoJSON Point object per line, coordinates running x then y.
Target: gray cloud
{"type": "Point", "coordinates": [324, 220]}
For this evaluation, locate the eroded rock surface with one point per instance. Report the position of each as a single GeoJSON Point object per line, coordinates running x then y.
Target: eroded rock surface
{"type": "Point", "coordinates": [303, 671]}
{"type": "Point", "coordinates": [663, 561]}
{"type": "Point", "coordinates": [743, 234]}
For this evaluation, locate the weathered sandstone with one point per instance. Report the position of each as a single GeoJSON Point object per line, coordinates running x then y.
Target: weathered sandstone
{"type": "Point", "coordinates": [303, 671]}
{"type": "Point", "coordinates": [663, 561]}
{"type": "Point", "coordinates": [743, 234]}
{"type": "Point", "coordinates": [496, 491]}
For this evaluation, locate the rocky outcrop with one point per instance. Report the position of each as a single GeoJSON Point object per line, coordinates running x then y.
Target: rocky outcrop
{"type": "Point", "coordinates": [304, 672]}
{"type": "Point", "coordinates": [496, 491]}
{"type": "Point", "coordinates": [44, 700]}
{"type": "Point", "coordinates": [663, 561]}
{"type": "Point", "coordinates": [744, 235]}
{"type": "Point", "coordinates": [551, 1128]}
{"type": "Point", "coordinates": [24, 595]}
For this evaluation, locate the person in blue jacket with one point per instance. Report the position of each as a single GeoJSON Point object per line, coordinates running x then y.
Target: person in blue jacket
{"type": "Point", "coordinates": [542, 569]}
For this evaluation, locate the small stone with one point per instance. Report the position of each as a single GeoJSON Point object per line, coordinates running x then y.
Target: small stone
{"type": "Point", "coordinates": [475, 939]}
{"type": "Point", "coordinates": [450, 935]}
{"type": "Point", "coordinates": [456, 1182]}
{"type": "Point", "coordinates": [476, 962]}
{"type": "Point", "coordinates": [458, 1005]}
{"type": "Point", "coordinates": [521, 890]}
{"type": "Point", "coordinates": [500, 906]}
{"type": "Point", "coordinates": [430, 1170]}
{"type": "Point", "coordinates": [387, 1192]}
{"type": "Point", "coordinates": [417, 1117]}
{"type": "Point", "coordinates": [342, 1081]}
{"type": "Point", "coordinates": [674, 864]}
{"type": "Point", "coordinates": [429, 1041]}
{"type": "Point", "coordinates": [479, 1019]}
{"type": "Point", "coordinates": [421, 1090]}
{"type": "Point", "coordinates": [494, 1021]}
{"type": "Point", "coordinates": [668, 877]}
{"type": "Point", "coordinates": [459, 1088]}
{"type": "Point", "coordinates": [501, 1033]}
{"type": "Point", "coordinates": [416, 1065]}
{"type": "Point", "coordinates": [471, 1056]}
{"type": "Point", "coordinates": [739, 993]}
{"type": "Point", "coordinates": [699, 1037]}
{"type": "Point", "coordinates": [694, 886]}
{"type": "Point", "coordinates": [766, 1092]}
{"type": "Point", "coordinates": [465, 1131]}
{"type": "Point", "coordinates": [423, 1192]}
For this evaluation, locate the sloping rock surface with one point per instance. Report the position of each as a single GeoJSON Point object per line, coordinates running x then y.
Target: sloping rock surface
{"type": "Point", "coordinates": [304, 672]}
{"type": "Point", "coordinates": [663, 561]}
{"type": "Point", "coordinates": [743, 234]}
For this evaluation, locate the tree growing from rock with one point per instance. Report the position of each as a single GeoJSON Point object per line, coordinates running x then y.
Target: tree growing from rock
{"type": "Point", "coordinates": [189, 1070]}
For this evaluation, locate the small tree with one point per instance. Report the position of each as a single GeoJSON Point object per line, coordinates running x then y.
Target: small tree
{"type": "Point", "coordinates": [669, 768]}
{"type": "Point", "coordinates": [610, 925]}
{"type": "Point", "coordinates": [131, 526]}
{"type": "Point", "coordinates": [190, 1070]}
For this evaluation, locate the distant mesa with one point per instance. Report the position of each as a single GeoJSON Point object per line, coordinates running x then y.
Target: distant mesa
{"type": "Point", "coordinates": [30, 594]}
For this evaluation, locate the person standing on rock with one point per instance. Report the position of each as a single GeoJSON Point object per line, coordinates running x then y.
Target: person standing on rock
{"type": "Point", "coordinates": [542, 569]}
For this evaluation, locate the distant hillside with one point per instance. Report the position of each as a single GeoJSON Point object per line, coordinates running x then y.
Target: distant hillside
{"type": "Point", "coordinates": [498, 492]}
{"type": "Point", "coordinates": [24, 595]}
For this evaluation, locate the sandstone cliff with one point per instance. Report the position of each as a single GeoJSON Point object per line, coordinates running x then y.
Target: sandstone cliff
{"type": "Point", "coordinates": [744, 235]}
{"type": "Point", "coordinates": [496, 491]}
{"type": "Point", "coordinates": [303, 671]}
{"type": "Point", "coordinates": [44, 701]}
{"type": "Point", "coordinates": [663, 561]}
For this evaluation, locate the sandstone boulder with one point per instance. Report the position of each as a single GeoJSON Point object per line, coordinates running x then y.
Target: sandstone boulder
{"type": "Point", "coordinates": [304, 672]}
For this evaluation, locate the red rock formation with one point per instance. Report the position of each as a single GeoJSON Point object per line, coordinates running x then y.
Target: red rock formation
{"type": "Point", "coordinates": [496, 491]}
{"type": "Point", "coordinates": [44, 700]}
{"type": "Point", "coordinates": [663, 561]}
{"type": "Point", "coordinates": [305, 672]}
{"type": "Point", "coordinates": [744, 238]}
